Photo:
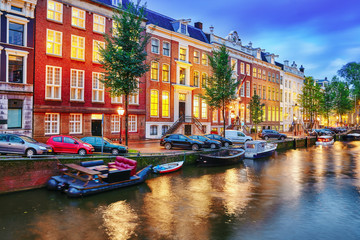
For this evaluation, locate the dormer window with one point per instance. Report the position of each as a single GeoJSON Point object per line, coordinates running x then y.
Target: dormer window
{"type": "Point", "coordinates": [115, 2]}
{"type": "Point", "coordinates": [183, 28]}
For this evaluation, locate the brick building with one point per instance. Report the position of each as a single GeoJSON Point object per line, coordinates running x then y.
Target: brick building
{"type": "Point", "coordinates": [70, 99]}
{"type": "Point", "coordinates": [16, 65]}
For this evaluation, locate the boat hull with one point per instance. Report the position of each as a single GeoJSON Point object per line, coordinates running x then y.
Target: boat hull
{"type": "Point", "coordinates": [76, 188]}
{"type": "Point", "coordinates": [168, 167]}
{"type": "Point", "coordinates": [260, 155]}
{"type": "Point", "coordinates": [221, 158]}
{"type": "Point", "coordinates": [324, 143]}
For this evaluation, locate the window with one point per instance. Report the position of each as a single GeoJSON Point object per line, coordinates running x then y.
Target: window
{"type": "Point", "coordinates": [134, 99]}
{"type": "Point", "coordinates": [242, 90]}
{"type": "Point", "coordinates": [277, 113]}
{"type": "Point", "coordinates": [196, 78]}
{"type": "Point", "coordinates": [259, 91]}
{"type": "Point", "coordinates": [54, 11]}
{"type": "Point", "coordinates": [182, 76]}
{"type": "Point", "coordinates": [77, 47]}
{"type": "Point", "coordinates": [254, 88]}
{"type": "Point", "coordinates": [165, 73]}
{"type": "Point", "coordinates": [281, 95]}
{"type": "Point", "coordinates": [53, 83]}
{"type": "Point", "coordinates": [15, 69]}
{"type": "Point", "coordinates": [153, 130]}
{"type": "Point", "coordinates": [75, 123]}
{"type": "Point", "coordinates": [247, 88]}
{"type": "Point", "coordinates": [132, 123]}
{"type": "Point", "coordinates": [273, 77]}
{"type": "Point", "coordinates": [165, 104]}
{"type": "Point", "coordinates": [154, 103]}
{"type": "Point", "coordinates": [277, 78]}
{"type": "Point", "coordinates": [77, 85]}
{"type": "Point", "coordinates": [166, 49]}
{"type": "Point", "coordinates": [254, 72]}
{"type": "Point", "coordinates": [273, 94]}
{"type": "Point", "coordinates": [248, 69]}
{"type": "Point", "coordinates": [234, 65]}
{"type": "Point", "coordinates": [203, 109]}
{"type": "Point", "coordinates": [97, 87]}
{"type": "Point", "coordinates": [52, 123]}
{"type": "Point", "coordinates": [259, 74]}
{"type": "Point", "coordinates": [263, 113]}
{"type": "Point", "coordinates": [269, 93]}
{"type": "Point", "coordinates": [99, 24]}
{"type": "Point", "coordinates": [182, 54]}
{"type": "Point", "coordinates": [204, 59]}
{"type": "Point", "coordinates": [196, 57]}
{"type": "Point", "coordinates": [116, 99]}
{"type": "Point", "coordinates": [54, 42]}
{"type": "Point", "coordinates": [215, 116]}
{"type": "Point", "coordinates": [264, 92]}
{"type": "Point", "coordinates": [247, 113]}
{"type": "Point", "coordinates": [17, 9]}
{"type": "Point", "coordinates": [196, 106]}
{"type": "Point", "coordinates": [264, 75]}
{"type": "Point", "coordinates": [269, 113]}
{"type": "Point", "coordinates": [182, 97]}
{"type": "Point", "coordinates": [16, 33]}
{"type": "Point", "coordinates": [203, 80]}
{"type": "Point", "coordinates": [289, 84]}
{"type": "Point", "coordinates": [155, 71]}
{"type": "Point", "coordinates": [115, 123]}
{"type": "Point", "coordinates": [242, 68]}
{"type": "Point", "coordinates": [78, 18]}
{"type": "Point", "coordinates": [273, 114]}
{"type": "Point", "coordinates": [164, 129]}
{"type": "Point", "coordinates": [281, 114]}
{"type": "Point", "coordinates": [183, 28]}
{"type": "Point", "coordinates": [97, 45]}
{"type": "Point", "coordinates": [115, 3]}
{"type": "Point", "coordinates": [155, 45]}
{"type": "Point", "coordinates": [269, 76]}
{"type": "Point", "coordinates": [14, 113]}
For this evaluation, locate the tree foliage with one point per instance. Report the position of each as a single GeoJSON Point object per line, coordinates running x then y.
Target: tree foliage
{"type": "Point", "coordinates": [351, 73]}
{"type": "Point", "coordinates": [124, 55]}
{"type": "Point", "coordinates": [342, 102]}
{"type": "Point", "coordinates": [327, 102]}
{"type": "Point", "coordinates": [221, 87]}
{"type": "Point", "coordinates": [256, 111]}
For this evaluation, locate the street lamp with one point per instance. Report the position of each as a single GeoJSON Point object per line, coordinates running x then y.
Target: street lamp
{"type": "Point", "coordinates": [121, 112]}
{"type": "Point", "coordinates": [295, 126]}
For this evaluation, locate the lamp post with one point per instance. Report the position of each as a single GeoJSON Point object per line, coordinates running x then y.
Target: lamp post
{"type": "Point", "coordinates": [295, 126]}
{"type": "Point", "coordinates": [121, 112]}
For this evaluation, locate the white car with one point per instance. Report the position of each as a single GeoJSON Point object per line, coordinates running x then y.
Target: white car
{"type": "Point", "coordinates": [237, 136]}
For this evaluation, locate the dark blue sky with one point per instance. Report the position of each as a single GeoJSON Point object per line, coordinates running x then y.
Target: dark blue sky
{"type": "Point", "coordinates": [322, 35]}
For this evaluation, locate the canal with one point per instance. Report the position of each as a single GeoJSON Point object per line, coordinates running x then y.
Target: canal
{"type": "Point", "coordinates": [308, 193]}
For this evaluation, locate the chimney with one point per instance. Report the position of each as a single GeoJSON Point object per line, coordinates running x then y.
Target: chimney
{"type": "Point", "coordinates": [286, 62]}
{"type": "Point", "coordinates": [250, 44]}
{"type": "Point", "coordinates": [302, 69]}
{"type": "Point", "coordinates": [325, 78]}
{"type": "Point", "coordinates": [199, 25]}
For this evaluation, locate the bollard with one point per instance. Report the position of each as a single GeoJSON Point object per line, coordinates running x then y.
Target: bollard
{"type": "Point", "coordinates": [306, 142]}
{"type": "Point", "coordinates": [295, 143]}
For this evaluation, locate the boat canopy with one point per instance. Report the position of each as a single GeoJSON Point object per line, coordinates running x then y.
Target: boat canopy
{"type": "Point", "coordinates": [255, 146]}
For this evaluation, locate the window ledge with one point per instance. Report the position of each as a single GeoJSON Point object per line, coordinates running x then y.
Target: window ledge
{"type": "Point", "coordinates": [54, 21]}
{"type": "Point", "coordinates": [77, 101]}
{"type": "Point", "coordinates": [54, 55]}
{"type": "Point", "coordinates": [78, 59]}
{"type": "Point", "coordinates": [98, 102]}
{"type": "Point", "coordinates": [81, 28]}
{"type": "Point", "coordinates": [52, 99]}
{"type": "Point", "coordinates": [102, 33]}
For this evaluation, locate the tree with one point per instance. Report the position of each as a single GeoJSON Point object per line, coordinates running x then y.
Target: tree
{"type": "Point", "coordinates": [309, 100]}
{"type": "Point", "coordinates": [342, 101]}
{"type": "Point", "coordinates": [124, 55]}
{"type": "Point", "coordinates": [221, 87]}
{"type": "Point", "coordinates": [326, 102]}
{"type": "Point", "coordinates": [256, 111]}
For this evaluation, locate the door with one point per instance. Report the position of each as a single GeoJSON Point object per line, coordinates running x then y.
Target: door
{"type": "Point", "coordinates": [187, 130]}
{"type": "Point", "coordinates": [181, 109]}
{"type": "Point", "coordinates": [96, 127]}
{"type": "Point", "coordinates": [16, 145]}
{"type": "Point", "coordinates": [4, 145]}
{"type": "Point", "coordinates": [70, 145]}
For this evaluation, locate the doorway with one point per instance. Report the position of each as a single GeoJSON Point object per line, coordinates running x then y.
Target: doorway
{"type": "Point", "coordinates": [181, 109]}
{"type": "Point", "coordinates": [187, 130]}
{"type": "Point", "coordinates": [96, 127]}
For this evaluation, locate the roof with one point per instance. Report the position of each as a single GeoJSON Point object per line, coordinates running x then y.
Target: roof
{"type": "Point", "coordinates": [279, 65]}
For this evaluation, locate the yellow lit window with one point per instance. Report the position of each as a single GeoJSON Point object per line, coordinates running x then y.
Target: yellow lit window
{"type": "Point", "coordinates": [203, 109]}
{"type": "Point", "coordinates": [204, 59]}
{"type": "Point", "coordinates": [183, 54]}
{"type": "Point", "coordinates": [98, 87]}
{"type": "Point", "coordinates": [54, 11]}
{"type": "Point", "coordinates": [155, 71]}
{"type": "Point", "coordinates": [77, 47]}
{"type": "Point", "coordinates": [196, 106]}
{"type": "Point", "coordinates": [78, 18]}
{"type": "Point", "coordinates": [96, 50]}
{"type": "Point", "coordinates": [182, 97]}
{"type": "Point", "coordinates": [154, 101]}
{"type": "Point", "coordinates": [54, 42]}
{"type": "Point", "coordinates": [196, 56]}
{"type": "Point", "coordinates": [99, 24]}
{"type": "Point", "coordinates": [165, 104]}
{"type": "Point", "coordinates": [254, 72]}
{"type": "Point", "coordinates": [165, 73]}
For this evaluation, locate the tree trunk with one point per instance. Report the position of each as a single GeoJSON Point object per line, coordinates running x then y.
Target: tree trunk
{"type": "Point", "coordinates": [126, 118]}
{"type": "Point", "coordinates": [255, 131]}
{"type": "Point", "coordinates": [223, 113]}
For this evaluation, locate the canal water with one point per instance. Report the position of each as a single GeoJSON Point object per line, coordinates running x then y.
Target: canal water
{"type": "Point", "coordinates": [308, 193]}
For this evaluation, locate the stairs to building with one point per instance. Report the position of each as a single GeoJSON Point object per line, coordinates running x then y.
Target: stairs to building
{"type": "Point", "coordinates": [182, 120]}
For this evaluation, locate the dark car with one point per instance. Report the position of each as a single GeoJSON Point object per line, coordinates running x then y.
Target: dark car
{"type": "Point", "coordinates": [208, 143]}
{"type": "Point", "coordinates": [108, 145]}
{"type": "Point", "coordinates": [224, 141]}
{"type": "Point", "coordinates": [180, 141]}
{"type": "Point", "coordinates": [268, 133]}
{"type": "Point", "coordinates": [321, 132]}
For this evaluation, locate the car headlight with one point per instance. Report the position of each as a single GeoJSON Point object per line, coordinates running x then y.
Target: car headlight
{"type": "Point", "coordinates": [42, 148]}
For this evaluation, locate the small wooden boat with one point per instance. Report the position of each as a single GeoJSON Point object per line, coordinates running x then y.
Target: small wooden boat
{"type": "Point", "coordinates": [168, 167]}
{"type": "Point", "coordinates": [220, 158]}
{"type": "Point", "coordinates": [324, 140]}
{"type": "Point", "coordinates": [259, 149]}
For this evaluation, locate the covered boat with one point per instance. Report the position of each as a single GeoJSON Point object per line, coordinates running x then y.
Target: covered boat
{"type": "Point", "coordinates": [259, 149]}
{"type": "Point", "coordinates": [168, 167]}
{"type": "Point", "coordinates": [222, 157]}
{"type": "Point", "coordinates": [325, 140]}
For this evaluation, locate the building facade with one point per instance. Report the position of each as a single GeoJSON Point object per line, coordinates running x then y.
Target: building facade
{"type": "Point", "coordinates": [16, 65]}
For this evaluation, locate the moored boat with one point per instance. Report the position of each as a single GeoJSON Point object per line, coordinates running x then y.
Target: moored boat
{"type": "Point", "coordinates": [168, 167]}
{"type": "Point", "coordinates": [222, 157]}
{"type": "Point", "coordinates": [259, 149]}
{"type": "Point", "coordinates": [325, 140]}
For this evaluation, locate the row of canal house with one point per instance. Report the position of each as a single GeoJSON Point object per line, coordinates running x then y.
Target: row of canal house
{"type": "Point", "coordinates": [56, 74]}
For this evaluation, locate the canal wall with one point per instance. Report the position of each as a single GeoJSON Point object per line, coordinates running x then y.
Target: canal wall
{"type": "Point", "coordinates": [18, 174]}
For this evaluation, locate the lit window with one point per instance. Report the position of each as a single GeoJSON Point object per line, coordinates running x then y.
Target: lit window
{"type": "Point", "coordinates": [132, 123]}
{"type": "Point", "coordinates": [78, 18]}
{"type": "Point", "coordinates": [77, 47]}
{"type": "Point", "coordinates": [77, 85]}
{"type": "Point", "coordinates": [54, 42]}
{"type": "Point", "coordinates": [155, 45]}
{"type": "Point", "coordinates": [196, 78]}
{"type": "Point", "coordinates": [242, 90]}
{"type": "Point", "coordinates": [134, 98]}
{"type": "Point", "coordinates": [269, 76]}
{"type": "Point", "coordinates": [259, 74]}
{"type": "Point", "coordinates": [183, 54]}
{"type": "Point", "coordinates": [234, 66]}
{"type": "Point", "coordinates": [165, 73]}
{"type": "Point", "coordinates": [155, 71]}
{"type": "Point", "coordinates": [254, 88]}
{"type": "Point", "coordinates": [54, 11]}
{"type": "Point", "coordinates": [166, 49]}
{"type": "Point", "coordinates": [215, 116]}
{"type": "Point", "coordinates": [264, 75]}
{"type": "Point", "coordinates": [116, 99]}
{"type": "Point", "coordinates": [97, 87]}
{"type": "Point", "coordinates": [196, 57]}
{"type": "Point", "coordinates": [99, 24]}
{"type": "Point", "coordinates": [203, 80]}
{"type": "Point", "coordinates": [269, 93]}
{"type": "Point", "coordinates": [53, 83]}
{"type": "Point", "coordinates": [182, 76]}
{"type": "Point", "coordinates": [52, 123]}
{"type": "Point", "coordinates": [247, 89]}
{"type": "Point", "coordinates": [96, 50]}
{"type": "Point", "coordinates": [242, 68]}
{"type": "Point", "coordinates": [248, 69]}
{"type": "Point", "coordinates": [75, 123]}
{"type": "Point", "coordinates": [204, 59]}
{"type": "Point", "coordinates": [165, 104]}
{"type": "Point", "coordinates": [264, 92]}
{"type": "Point", "coordinates": [273, 77]}
{"type": "Point", "coordinates": [196, 106]}
{"type": "Point", "coordinates": [269, 113]}
{"type": "Point", "coordinates": [115, 123]}
{"type": "Point", "coordinates": [203, 109]}
{"type": "Point", "coordinates": [154, 103]}
{"type": "Point", "coordinates": [254, 72]}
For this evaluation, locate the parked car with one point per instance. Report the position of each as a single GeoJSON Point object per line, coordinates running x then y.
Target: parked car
{"type": "Point", "coordinates": [208, 143]}
{"type": "Point", "coordinates": [181, 141]}
{"type": "Point", "coordinates": [69, 144]}
{"type": "Point", "coordinates": [21, 144]}
{"type": "Point", "coordinates": [237, 136]}
{"type": "Point", "coordinates": [224, 141]}
{"type": "Point", "coordinates": [321, 132]}
{"type": "Point", "coordinates": [108, 145]}
{"type": "Point", "coordinates": [268, 133]}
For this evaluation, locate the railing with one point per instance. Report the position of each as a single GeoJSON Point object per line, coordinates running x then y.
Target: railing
{"type": "Point", "coordinates": [198, 124]}
{"type": "Point", "coordinates": [175, 125]}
